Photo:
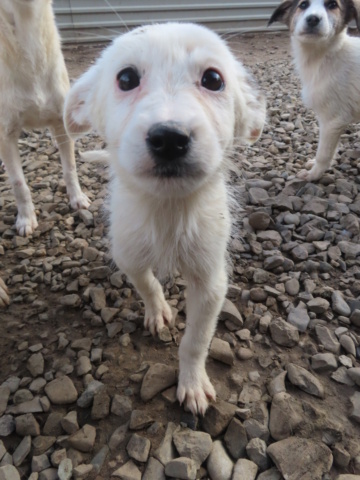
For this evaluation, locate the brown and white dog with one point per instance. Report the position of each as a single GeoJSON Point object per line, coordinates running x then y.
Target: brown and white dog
{"type": "Point", "coordinates": [328, 62]}
{"type": "Point", "coordinates": [33, 85]}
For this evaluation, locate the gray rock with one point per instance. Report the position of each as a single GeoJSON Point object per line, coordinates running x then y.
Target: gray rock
{"type": "Point", "coordinates": [9, 472]}
{"type": "Point", "coordinates": [87, 397]}
{"type": "Point", "coordinates": [292, 286]}
{"type": "Point", "coordinates": [35, 364]}
{"type": "Point", "coordinates": [305, 380]}
{"type": "Point", "coordinates": [138, 448]}
{"type": "Point", "coordinates": [157, 378]}
{"type": "Point", "coordinates": [182, 468]}
{"type": "Point", "coordinates": [355, 405]}
{"type": "Point", "coordinates": [229, 312]}
{"type": "Point", "coordinates": [277, 384]}
{"type": "Point", "coordinates": [22, 451]}
{"type": "Point", "coordinates": [61, 391]}
{"type": "Point", "coordinates": [218, 417]}
{"type": "Point", "coordinates": [299, 318]}
{"type": "Point", "coordinates": [27, 425]}
{"type": "Point", "coordinates": [69, 423]}
{"type": "Point", "coordinates": [339, 305]}
{"type": "Point", "coordinates": [283, 333]}
{"type": "Point", "coordinates": [7, 425]}
{"type": "Point", "coordinates": [139, 420]}
{"type": "Point", "coordinates": [83, 366]}
{"type": "Point", "coordinates": [285, 416]}
{"type": "Point", "coordinates": [166, 450]}
{"type": "Point", "coordinates": [118, 436]}
{"type": "Point", "coordinates": [348, 344]}
{"type": "Point", "coordinates": [245, 470]}
{"type": "Point", "coordinates": [327, 339]}
{"type": "Point", "coordinates": [236, 439]}
{"type": "Point", "coordinates": [4, 398]}
{"type": "Point", "coordinates": [318, 305]}
{"type": "Point", "coordinates": [324, 362]}
{"type": "Point", "coordinates": [39, 463]}
{"type": "Point", "coordinates": [154, 470]}
{"type": "Point", "coordinates": [355, 317]}
{"type": "Point", "coordinates": [221, 351]}
{"type": "Point", "coordinates": [129, 471]}
{"type": "Point", "coordinates": [194, 445]}
{"type": "Point", "coordinates": [354, 374]}
{"type": "Point", "coordinates": [300, 458]}
{"type": "Point", "coordinates": [259, 220]}
{"type": "Point", "coordinates": [219, 465]}
{"type": "Point", "coordinates": [256, 451]}
{"type": "Point", "coordinates": [271, 474]}
{"type": "Point", "coordinates": [84, 439]}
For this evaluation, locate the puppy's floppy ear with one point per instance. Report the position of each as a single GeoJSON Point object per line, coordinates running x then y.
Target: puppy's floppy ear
{"type": "Point", "coordinates": [281, 14]}
{"type": "Point", "coordinates": [352, 12]}
{"type": "Point", "coordinates": [250, 107]}
{"type": "Point", "coordinates": [78, 103]}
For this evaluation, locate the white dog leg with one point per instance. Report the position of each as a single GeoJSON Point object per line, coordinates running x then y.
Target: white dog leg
{"type": "Point", "coordinates": [204, 302]}
{"type": "Point", "coordinates": [328, 141]}
{"type": "Point", "coordinates": [26, 219]}
{"type": "Point", "coordinates": [66, 148]}
{"type": "Point", "coordinates": [157, 310]}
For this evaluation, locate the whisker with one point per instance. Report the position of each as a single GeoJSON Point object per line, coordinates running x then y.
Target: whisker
{"type": "Point", "coordinates": [117, 14]}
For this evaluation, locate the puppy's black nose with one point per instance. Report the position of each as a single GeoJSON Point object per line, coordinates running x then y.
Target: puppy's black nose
{"type": "Point", "coordinates": [168, 141]}
{"type": "Point", "coordinates": [312, 20]}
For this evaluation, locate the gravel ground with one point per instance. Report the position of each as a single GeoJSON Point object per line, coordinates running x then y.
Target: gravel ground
{"type": "Point", "coordinates": [86, 393]}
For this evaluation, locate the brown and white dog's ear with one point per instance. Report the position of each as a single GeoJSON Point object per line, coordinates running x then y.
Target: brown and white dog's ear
{"type": "Point", "coordinates": [78, 104]}
{"type": "Point", "coordinates": [282, 13]}
{"type": "Point", "coordinates": [352, 12]}
{"type": "Point", "coordinates": [250, 108]}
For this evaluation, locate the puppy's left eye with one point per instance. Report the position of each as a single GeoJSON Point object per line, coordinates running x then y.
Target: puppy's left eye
{"type": "Point", "coordinates": [212, 80]}
{"type": "Point", "coordinates": [128, 79]}
{"type": "Point", "coordinates": [332, 5]}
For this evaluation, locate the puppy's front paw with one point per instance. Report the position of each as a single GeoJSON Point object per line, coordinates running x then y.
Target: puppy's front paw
{"type": "Point", "coordinates": [4, 297]}
{"type": "Point", "coordinates": [311, 175]}
{"type": "Point", "coordinates": [79, 200]}
{"type": "Point", "coordinates": [194, 390]}
{"type": "Point", "coordinates": [157, 316]}
{"type": "Point", "coordinates": [26, 224]}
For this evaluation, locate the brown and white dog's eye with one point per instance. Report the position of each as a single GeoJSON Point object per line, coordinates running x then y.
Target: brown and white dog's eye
{"type": "Point", "coordinates": [331, 5]}
{"type": "Point", "coordinates": [304, 5]}
{"type": "Point", "coordinates": [128, 79]}
{"type": "Point", "coordinates": [212, 80]}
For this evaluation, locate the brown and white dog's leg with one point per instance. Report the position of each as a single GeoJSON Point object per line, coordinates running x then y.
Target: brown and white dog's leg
{"type": "Point", "coordinates": [78, 199]}
{"type": "Point", "coordinates": [203, 304]}
{"type": "Point", "coordinates": [157, 311]}
{"type": "Point", "coordinates": [328, 142]}
{"type": "Point", "coordinates": [9, 152]}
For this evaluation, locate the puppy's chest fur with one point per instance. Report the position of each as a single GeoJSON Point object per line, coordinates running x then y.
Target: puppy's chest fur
{"type": "Point", "coordinates": [170, 234]}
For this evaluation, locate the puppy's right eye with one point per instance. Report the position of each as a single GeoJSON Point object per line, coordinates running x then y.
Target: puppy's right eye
{"type": "Point", "coordinates": [128, 79]}
{"type": "Point", "coordinates": [304, 5]}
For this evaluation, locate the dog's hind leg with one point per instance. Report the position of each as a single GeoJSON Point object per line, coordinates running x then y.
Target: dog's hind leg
{"type": "Point", "coordinates": [329, 139]}
{"type": "Point", "coordinates": [9, 152]}
{"type": "Point", "coordinates": [66, 148]}
{"type": "Point", "coordinates": [204, 302]}
{"type": "Point", "coordinates": [157, 311]}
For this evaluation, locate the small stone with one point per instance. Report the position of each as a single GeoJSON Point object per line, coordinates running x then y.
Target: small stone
{"type": "Point", "coordinates": [84, 439]}
{"type": "Point", "coordinates": [245, 470]}
{"type": "Point", "coordinates": [27, 425]}
{"type": "Point", "coordinates": [61, 391]}
{"type": "Point", "coordinates": [182, 468]}
{"type": "Point", "coordinates": [305, 380]}
{"type": "Point", "coordinates": [7, 425]}
{"type": "Point", "coordinates": [285, 416]}
{"type": "Point", "coordinates": [82, 470]}
{"type": "Point", "coordinates": [299, 318]}
{"type": "Point", "coordinates": [348, 344]}
{"type": "Point", "coordinates": [355, 403]}
{"type": "Point", "coordinates": [354, 374]}
{"type": "Point", "coordinates": [229, 312]}
{"type": "Point", "coordinates": [139, 420]}
{"type": "Point", "coordinates": [122, 407]}
{"type": "Point", "coordinates": [157, 378]}
{"type": "Point", "coordinates": [22, 451]}
{"type": "Point", "coordinates": [221, 351]}
{"type": "Point", "coordinates": [219, 465]}
{"type": "Point", "coordinates": [324, 362]}
{"type": "Point", "coordinates": [69, 423]}
{"type": "Point", "coordinates": [9, 472]}
{"type": "Point", "coordinates": [87, 397]}
{"type": "Point", "coordinates": [4, 398]}
{"type": "Point", "coordinates": [83, 366]}
{"type": "Point", "coordinates": [129, 471]}
{"type": "Point", "coordinates": [256, 451]}
{"type": "Point", "coordinates": [318, 305]}
{"type": "Point", "coordinates": [339, 305]}
{"type": "Point", "coordinates": [154, 470]}
{"type": "Point", "coordinates": [138, 448]}
{"type": "Point", "coordinates": [283, 333]}
{"type": "Point", "coordinates": [218, 417]}
{"type": "Point", "coordinates": [194, 445]}
{"type": "Point", "coordinates": [166, 450]}
{"type": "Point", "coordinates": [35, 364]}
{"type": "Point", "coordinates": [259, 220]}
{"type": "Point", "coordinates": [236, 439]}
{"type": "Point", "coordinates": [39, 463]}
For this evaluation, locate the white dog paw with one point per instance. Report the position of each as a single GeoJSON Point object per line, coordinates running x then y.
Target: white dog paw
{"type": "Point", "coordinates": [4, 297]}
{"type": "Point", "coordinates": [25, 225]}
{"type": "Point", "coordinates": [79, 201]}
{"type": "Point", "coordinates": [157, 316]}
{"type": "Point", "coordinates": [195, 391]}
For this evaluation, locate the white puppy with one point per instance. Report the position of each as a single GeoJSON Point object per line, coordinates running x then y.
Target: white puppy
{"type": "Point", "coordinates": [170, 100]}
{"type": "Point", "coordinates": [328, 61]}
{"type": "Point", "coordinates": [33, 85]}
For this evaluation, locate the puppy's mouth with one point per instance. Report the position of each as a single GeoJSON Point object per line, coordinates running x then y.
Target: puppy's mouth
{"type": "Point", "coordinates": [175, 170]}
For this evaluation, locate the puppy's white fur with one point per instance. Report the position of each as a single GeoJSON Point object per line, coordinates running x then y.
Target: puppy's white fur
{"type": "Point", "coordinates": [328, 62]}
{"type": "Point", "coordinates": [33, 85]}
{"type": "Point", "coordinates": [178, 221]}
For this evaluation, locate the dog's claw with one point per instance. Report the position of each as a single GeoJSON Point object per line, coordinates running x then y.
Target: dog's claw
{"type": "Point", "coordinates": [157, 317]}
{"type": "Point", "coordinates": [195, 393]}
{"type": "Point", "coordinates": [79, 201]}
{"type": "Point", "coordinates": [26, 225]}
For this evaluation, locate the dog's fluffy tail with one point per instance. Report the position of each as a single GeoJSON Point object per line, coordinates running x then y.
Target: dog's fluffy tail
{"type": "Point", "coordinates": [95, 156]}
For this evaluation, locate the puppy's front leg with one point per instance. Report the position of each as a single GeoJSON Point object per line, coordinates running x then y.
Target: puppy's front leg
{"type": "Point", "coordinates": [157, 310]}
{"type": "Point", "coordinates": [78, 199]}
{"type": "Point", "coordinates": [26, 219]}
{"type": "Point", "coordinates": [204, 302]}
{"type": "Point", "coordinates": [329, 139]}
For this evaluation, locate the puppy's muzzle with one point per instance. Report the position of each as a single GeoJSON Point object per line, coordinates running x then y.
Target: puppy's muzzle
{"type": "Point", "coordinates": [168, 144]}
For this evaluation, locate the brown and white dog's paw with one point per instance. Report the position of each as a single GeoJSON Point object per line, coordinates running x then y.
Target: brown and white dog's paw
{"type": "Point", "coordinates": [195, 390]}
{"type": "Point", "coordinates": [158, 316]}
